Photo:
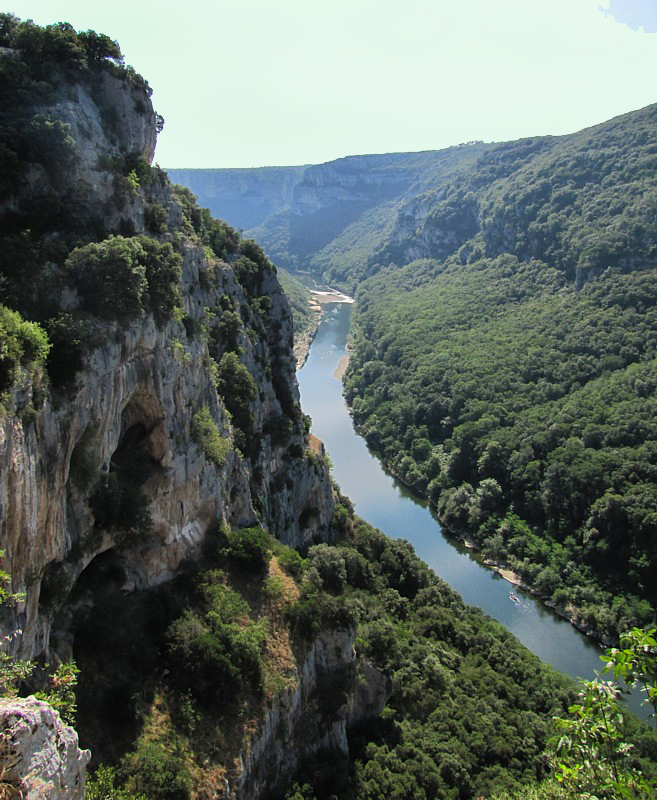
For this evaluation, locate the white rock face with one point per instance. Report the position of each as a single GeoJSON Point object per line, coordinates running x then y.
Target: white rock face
{"type": "Point", "coordinates": [148, 378]}
{"type": "Point", "coordinates": [301, 721]}
{"type": "Point", "coordinates": [39, 755]}
{"type": "Point", "coordinates": [135, 400]}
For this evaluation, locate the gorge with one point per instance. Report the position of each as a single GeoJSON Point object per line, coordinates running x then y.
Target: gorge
{"type": "Point", "coordinates": [168, 520]}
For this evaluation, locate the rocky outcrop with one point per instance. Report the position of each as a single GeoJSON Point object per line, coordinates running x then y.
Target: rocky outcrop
{"type": "Point", "coordinates": [310, 717]}
{"type": "Point", "coordinates": [136, 398]}
{"type": "Point", "coordinates": [39, 755]}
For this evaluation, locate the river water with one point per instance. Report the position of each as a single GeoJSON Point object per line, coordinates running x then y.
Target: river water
{"type": "Point", "coordinates": [386, 504]}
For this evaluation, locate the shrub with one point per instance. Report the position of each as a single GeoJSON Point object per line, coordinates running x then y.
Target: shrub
{"type": "Point", "coordinates": [290, 560]}
{"type": "Point", "coordinates": [206, 434]}
{"type": "Point", "coordinates": [251, 548]}
{"type": "Point", "coordinates": [121, 278]}
{"type": "Point", "coordinates": [163, 273]}
{"type": "Point", "coordinates": [158, 772]}
{"type": "Point", "coordinates": [102, 787]}
{"type": "Point", "coordinates": [70, 340]}
{"type": "Point", "coordinates": [228, 331]}
{"type": "Point", "coordinates": [22, 344]}
{"type": "Point", "coordinates": [330, 563]}
{"type": "Point", "coordinates": [156, 218]}
{"type": "Point", "coordinates": [222, 239]}
{"type": "Point", "coordinates": [111, 277]}
{"type": "Point", "coordinates": [238, 389]}
{"type": "Point", "coordinates": [212, 658]}
{"type": "Point", "coordinates": [305, 617]}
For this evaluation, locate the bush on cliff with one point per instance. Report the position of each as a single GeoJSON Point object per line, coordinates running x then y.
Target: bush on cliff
{"type": "Point", "coordinates": [122, 278]}
{"type": "Point", "coordinates": [23, 345]}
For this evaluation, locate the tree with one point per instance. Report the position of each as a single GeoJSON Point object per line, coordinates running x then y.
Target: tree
{"type": "Point", "coordinates": [635, 662]}
{"type": "Point", "coordinates": [590, 753]}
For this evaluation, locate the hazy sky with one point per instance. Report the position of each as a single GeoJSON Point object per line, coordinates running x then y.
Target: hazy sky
{"type": "Point", "coordinates": [273, 82]}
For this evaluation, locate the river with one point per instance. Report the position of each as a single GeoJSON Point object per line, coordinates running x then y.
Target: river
{"type": "Point", "coordinates": [386, 504]}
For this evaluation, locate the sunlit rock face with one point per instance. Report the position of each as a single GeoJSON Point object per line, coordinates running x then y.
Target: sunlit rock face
{"type": "Point", "coordinates": [40, 758]}
{"type": "Point", "coordinates": [134, 403]}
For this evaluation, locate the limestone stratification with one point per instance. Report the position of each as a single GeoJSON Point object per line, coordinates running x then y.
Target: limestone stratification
{"type": "Point", "coordinates": [39, 755]}
{"type": "Point", "coordinates": [143, 381]}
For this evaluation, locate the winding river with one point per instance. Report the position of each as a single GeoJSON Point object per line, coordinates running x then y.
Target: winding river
{"type": "Point", "coordinates": [386, 504]}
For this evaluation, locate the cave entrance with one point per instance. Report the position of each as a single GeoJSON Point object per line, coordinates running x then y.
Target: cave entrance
{"type": "Point", "coordinates": [143, 442]}
{"type": "Point", "coordinates": [119, 645]}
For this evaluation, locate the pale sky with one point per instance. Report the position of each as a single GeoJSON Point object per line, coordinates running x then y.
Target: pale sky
{"type": "Point", "coordinates": [248, 83]}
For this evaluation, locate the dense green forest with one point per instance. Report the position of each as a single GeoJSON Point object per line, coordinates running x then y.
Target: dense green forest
{"type": "Point", "coordinates": [469, 711]}
{"type": "Point", "coordinates": [510, 374]}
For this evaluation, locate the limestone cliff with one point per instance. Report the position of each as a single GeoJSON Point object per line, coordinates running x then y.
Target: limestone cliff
{"type": "Point", "coordinates": [170, 410]}
{"type": "Point", "coordinates": [330, 696]}
{"type": "Point", "coordinates": [334, 217]}
{"type": "Point", "coordinates": [39, 755]}
{"type": "Point", "coordinates": [140, 386]}
{"type": "Point", "coordinates": [243, 197]}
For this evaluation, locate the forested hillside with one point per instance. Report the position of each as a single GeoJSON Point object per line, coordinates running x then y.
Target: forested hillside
{"type": "Point", "coordinates": [508, 370]}
{"type": "Point", "coordinates": [168, 521]}
{"type": "Point", "coordinates": [329, 218]}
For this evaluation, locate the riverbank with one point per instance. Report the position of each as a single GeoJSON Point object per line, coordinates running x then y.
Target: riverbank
{"type": "Point", "coordinates": [386, 505]}
{"type": "Point", "coordinates": [318, 299]}
{"type": "Point", "coordinates": [340, 370]}
{"type": "Point", "coordinates": [569, 613]}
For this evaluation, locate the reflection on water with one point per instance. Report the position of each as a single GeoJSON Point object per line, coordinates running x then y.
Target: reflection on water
{"type": "Point", "coordinates": [387, 505]}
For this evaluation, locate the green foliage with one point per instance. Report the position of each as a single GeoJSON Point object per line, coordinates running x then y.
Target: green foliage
{"type": "Point", "coordinates": [13, 672]}
{"type": "Point", "coordinates": [111, 277]}
{"type": "Point", "coordinates": [158, 772]}
{"type": "Point", "coordinates": [635, 662]}
{"type": "Point", "coordinates": [331, 566]}
{"type": "Point", "coordinates": [122, 278]}
{"type": "Point", "coordinates": [216, 654]}
{"type": "Point", "coordinates": [24, 347]}
{"type": "Point", "coordinates": [102, 786]}
{"type": "Point", "coordinates": [206, 434]}
{"type": "Point", "coordinates": [520, 348]}
{"type": "Point", "coordinates": [61, 691]}
{"type": "Point", "coordinates": [238, 389]}
{"type": "Point", "coordinates": [457, 403]}
{"type": "Point", "coordinates": [469, 711]}
{"type": "Point", "coordinates": [290, 560]}
{"type": "Point", "coordinates": [156, 218]}
{"type": "Point", "coordinates": [228, 331]}
{"type": "Point", "coordinates": [223, 240]}
{"type": "Point", "coordinates": [591, 753]}
{"type": "Point", "coordinates": [71, 338]}
{"type": "Point", "coordinates": [251, 548]}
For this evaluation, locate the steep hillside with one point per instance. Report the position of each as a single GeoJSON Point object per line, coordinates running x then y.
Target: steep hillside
{"type": "Point", "coordinates": [148, 391]}
{"type": "Point", "coordinates": [524, 306]}
{"type": "Point", "coordinates": [507, 370]}
{"type": "Point", "coordinates": [168, 521]}
{"type": "Point", "coordinates": [170, 331]}
{"type": "Point", "coordinates": [335, 215]}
